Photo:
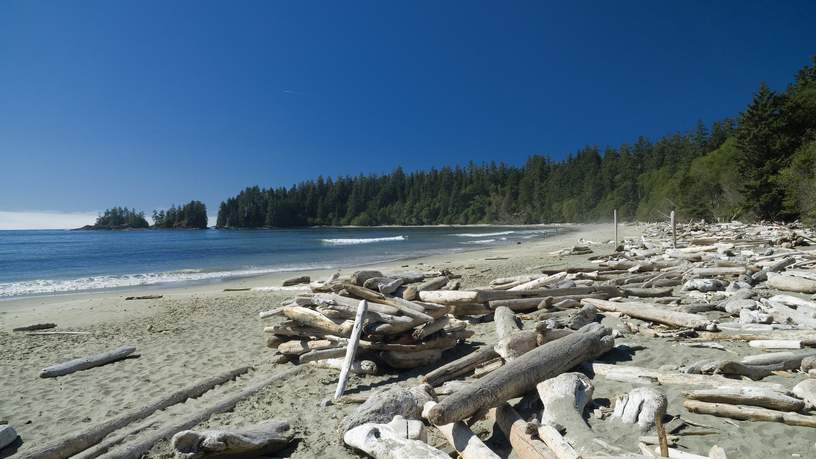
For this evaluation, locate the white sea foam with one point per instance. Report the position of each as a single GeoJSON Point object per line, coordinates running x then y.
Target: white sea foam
{"type": "Point", "coordinates": [500, 233]}
{"type": "Point", "coordinates": [479, 241]}
{"type": "Point", "coordinates": [43, 286]}
{"type": "Point", "coordinates": [362, 240]}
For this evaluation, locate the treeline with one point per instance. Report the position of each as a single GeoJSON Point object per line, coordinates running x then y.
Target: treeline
{"type": "Point", "coordinates": [190, 215]}
{"type": "Point", "coordinates": [760, 165]}
{"type": "Point", "coordinates": [120, 218]}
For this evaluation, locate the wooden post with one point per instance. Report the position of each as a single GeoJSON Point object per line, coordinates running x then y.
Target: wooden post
{"type": "Point", "coordinates": [615, 219]}
{"type": "Point", "coordinates": [353, 341]}
{"type": "Point", "coordinates": [674, 230]}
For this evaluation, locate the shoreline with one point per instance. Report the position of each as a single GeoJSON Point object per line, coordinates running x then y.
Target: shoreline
{"type": "Point", "coordinates": [231, 276]}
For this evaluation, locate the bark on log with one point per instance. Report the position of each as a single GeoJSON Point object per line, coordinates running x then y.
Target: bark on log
{"type": "Point", "coordinates": [85, 363]}
{"type": "Point", "coordinates": [463, 440]}
{"type": "Point", "coordinates": [522, 374]}
{"type": "Point", "coordinates": [254, 440]}
{"type": "Point", "coordinates": [645, 311]}
{"type": "Point", "coordinates": [35, 327]}
{"type": "Point", "coordinates": [753, 396]}
{"type": "Point", "coordinates": [749, 413]}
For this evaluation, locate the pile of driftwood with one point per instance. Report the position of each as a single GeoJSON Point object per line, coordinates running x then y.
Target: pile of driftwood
{"type": "Point", "coordinates": [395, 328]}
{"type": "Point", "coordinates": [698, 284]}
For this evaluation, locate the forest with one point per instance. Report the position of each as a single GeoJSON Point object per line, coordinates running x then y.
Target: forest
{"type": "Point", "coordinates": [192, 215]}
{"type": "Point", "coordinates": [119, 218]}
{"type": "Point", "coordinates": [759, 165]}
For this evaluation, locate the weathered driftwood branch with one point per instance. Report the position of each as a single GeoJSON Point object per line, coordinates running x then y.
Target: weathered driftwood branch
{"type": "Point", "coordinates": [460, 366]}
{"type": "Point", "coordinates": [753, 396]}
{"type": "Point", "coordinates": [85, 363]}
{"type": "Point", "coordinates": [463, 440]}
{"type": "Point", "coordinates": [35, 327]}
{"type": "Point", "coordinates": [749, 413]}
{"type": "Point", "coordinates": [641, 375]}
{"type": "Point", "coordinates": [77, 441]}
{"type": "Point", "coordinates": [522, 374]}
{"type": "Point", "coordinates": [263, 438]}
{"type": "Point", "coordinates": [351, 349]}
{"type": "Point", "coordinates": [645, 311]}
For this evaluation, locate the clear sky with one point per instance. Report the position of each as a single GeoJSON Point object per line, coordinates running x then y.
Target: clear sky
{"type": "Point", "coordinates": [149, 103]}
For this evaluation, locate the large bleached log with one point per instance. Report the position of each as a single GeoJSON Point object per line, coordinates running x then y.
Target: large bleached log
{"type": "Point", "coordinates": [432, 327]}
{"type": "Point", "coordinates": [776, 343]}
{"type": "Point", "coordinates": [451, 297]}
{"type": "Point", "coordinates": [564, 398]}
{"type": "Point", "coordinates": [719, 271]}
{"type": "Point", "coordinates": [749, 413]}
{"type": "Point", "coordinates": [314, 319]}
{"type": "Point", "coordinates": [529, 304]}
{"type": "Point", "coordinates": [516, 431]}
{"type": "Point", "coordinates": [641, 375]}
{"type": "Point", "coordinates": [77, 441]}
{"type": "Point", "coordinates": [460, 367]}
{"type": "Point", "coordinates": [411, 292]}
{"type": "Point", "coordinates": [806, 390]}
{"type": "Point", "coordinates": [788, 360]}
{"type": "Point", "coordinates": [302, 346]}
{"type": "Point", "coordinates": [522, 374]}
{"type": "Point", "coordinates": [85, 363]}
{"type": "Point", "coordinates": [137, 448]}
{"type": "Point", "coordinates": [791, 283]}
{"type": "Point", "coordinates": [382, 441]}
{"type": "Point", "coordinates": [645, 311]}
{"type": "Point", "coordinates": [254, 440]}
{"type": "Point", "coordinates": [351, 349]}
{"type": "Point", "coordinates": [383, 405]}
{"type": "Point", "coordinates": [753, 396]}
{"type": "Point", "coordinates": [322, 354]}
{"type": "Point", "coordinates": [463, 440]}
{"type": "Point", "coordinates": [484, 296]}
{"type": "Point", "coordinates": [783, 314]}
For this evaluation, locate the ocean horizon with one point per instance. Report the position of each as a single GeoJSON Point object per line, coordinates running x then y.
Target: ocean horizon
{"type": "Point", "coordinates": [47, 262]}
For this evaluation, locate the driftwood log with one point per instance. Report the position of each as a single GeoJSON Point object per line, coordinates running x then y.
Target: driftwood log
{"type": "Point", "coordinates": [389, 441]}
{"type": "Point", "coordinates": [35, 327]}
{"type": "Point", "coordinates": [643, 405]}
{"type": "Point", "coordinates": [645, 311]}
{"type": "Point", "coordinates": [460, 367]}
{"type": "Point", "coordinates": [85, 363]}
{"type": "Point", "coordinates": [255, 440]}
{"type": "Point", "coordinates": [749, 413]}
{"type": "Point", "coordinates": [564, 398]}
{"type": "Point", "coordinates": [351, 350]}
{"type": "Point", "coordinates": [516, 430]}
{"type": "Point", "coordinates": [522, 374]}
{"type": "Point", "coordinates": [383, 405]}
{"type": "Point", "coordinates": [753, 396]}
{"type": "Point", "coordinates": [463, 440]}
{"type": "Point", "coordinates": [75, 442]}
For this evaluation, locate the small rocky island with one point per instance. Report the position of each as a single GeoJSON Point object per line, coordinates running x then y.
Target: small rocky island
{"type": "Point", "coordinates": [192, 215]}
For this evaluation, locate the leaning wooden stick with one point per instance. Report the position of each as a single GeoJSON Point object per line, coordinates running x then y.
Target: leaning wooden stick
{"type": "Point", "coordinates": [351, 350]}
{"type": "Point", "coordinates": [84, 363]}
{"type": "Point", "coordinates": [75, 442]}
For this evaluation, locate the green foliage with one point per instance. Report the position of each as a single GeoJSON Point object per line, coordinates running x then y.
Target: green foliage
{"type": "Point", "coordinates": [762, 166]}
{"type": "Point", "coordinates": [190, 215]}
{"type": "Point", "coordinates": [120, 218]}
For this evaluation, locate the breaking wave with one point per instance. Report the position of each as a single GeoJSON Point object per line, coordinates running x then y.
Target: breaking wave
{"type": "Point", "coordinates": [362, 240]}
{"type": "Point", "coordinates": [44, 286]}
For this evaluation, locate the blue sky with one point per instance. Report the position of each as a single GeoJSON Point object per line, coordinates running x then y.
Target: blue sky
{"type": "Point", "coordinates": [146, 103]}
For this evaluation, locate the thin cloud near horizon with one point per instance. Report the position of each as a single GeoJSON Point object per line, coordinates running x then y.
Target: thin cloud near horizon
{"type": "Point", "coordinates": [45, 219]}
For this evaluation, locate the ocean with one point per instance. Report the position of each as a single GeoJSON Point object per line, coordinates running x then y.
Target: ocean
{"type": "Point", "coordinates": [44, 262]}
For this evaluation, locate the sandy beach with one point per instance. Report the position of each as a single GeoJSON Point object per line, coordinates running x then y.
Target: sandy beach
{"type": "Point", "coordinates": [195, 332]}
